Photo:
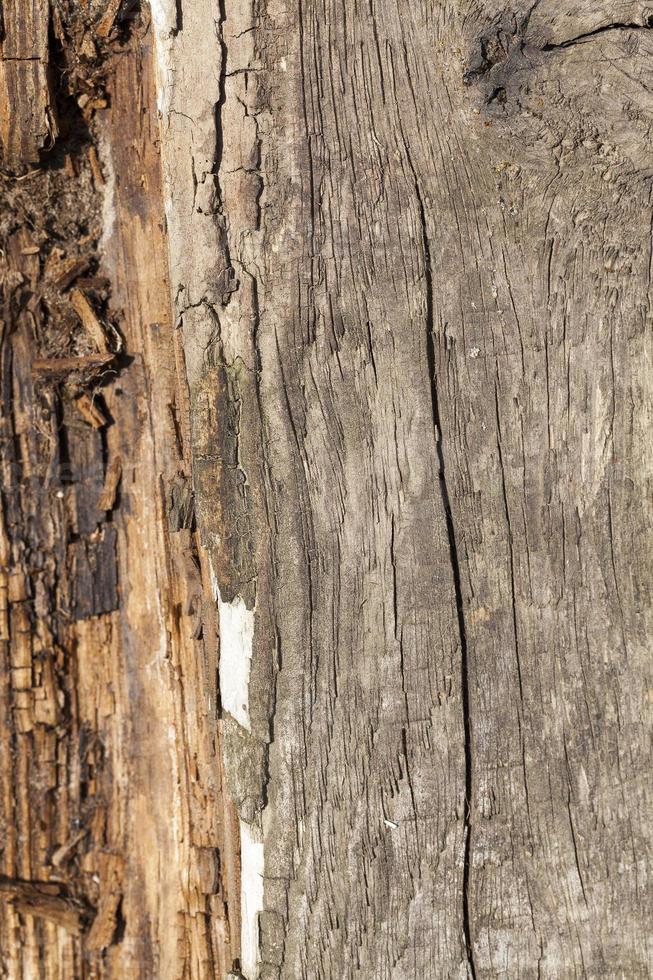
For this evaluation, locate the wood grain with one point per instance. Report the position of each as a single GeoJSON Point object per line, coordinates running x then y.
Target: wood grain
{"type": "Point", "coordinates": [27, 114]}
{"type": "Point", "coordinates": [425, 403]}
{"type": "Point", "coordinates": [325, 524]}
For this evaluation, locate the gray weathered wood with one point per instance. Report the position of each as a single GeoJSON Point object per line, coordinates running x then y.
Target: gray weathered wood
{"type": "Point", "coordinates": [425, 402]}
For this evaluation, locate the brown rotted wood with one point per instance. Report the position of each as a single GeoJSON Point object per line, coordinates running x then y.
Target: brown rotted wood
{"type": "Point", "coordinates": [116, 853]}
{"type": "Point", "coordinates": [27, 113]}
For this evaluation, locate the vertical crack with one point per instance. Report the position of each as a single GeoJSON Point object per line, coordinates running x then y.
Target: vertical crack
{"type": "Point", "coordinates": [455, 570]}
{"type": "Point", "coordinates": [222, 91]}
{"type": "Point", "coordinates": [453, 555]}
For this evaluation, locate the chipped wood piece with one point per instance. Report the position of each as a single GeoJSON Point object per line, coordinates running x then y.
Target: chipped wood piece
{"type": "Point", "coordinates": [90, 320]}
{"type": "Point", "coordinates": [106, 22]}
{"type": "Point", "coordinates": [66, 365]}
{"type": "Point", "coordinates": [111, 481]}
{"type": "Point", "coordinates": [88, 48]}
{"type": "Point", "coordinates": [93, 282]}
{"type": "Point", "coordinates": [91, 410]}
{"type": "Point", "coordinates": [62, 270]}
{"type": "Point", "coordinates": [62, 854]}
{"type": "Point", "coordinates": [46, 707]}
{"type": "Point", "coordinates": [111, 870]}
{"type": "Point", "coordinates": [45, 901]}
{"type": "Point", "coordinates": [94, 162]}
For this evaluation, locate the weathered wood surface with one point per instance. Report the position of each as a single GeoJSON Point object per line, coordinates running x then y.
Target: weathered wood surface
{"type": "Point", "coordinates": [384, 425]}
{"type": "Point", "coordinates": [413, 282]}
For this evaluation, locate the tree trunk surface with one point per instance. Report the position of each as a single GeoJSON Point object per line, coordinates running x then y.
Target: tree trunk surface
{"type": "Point", "coordinates": [326, 526]}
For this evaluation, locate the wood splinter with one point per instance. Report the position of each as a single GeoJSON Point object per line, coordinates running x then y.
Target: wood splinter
{"type": "Point", "coordinates": [91, 411]}
{"type": "Point", "coordinates": [90, 320]}
{"type": "Point", "coordinates": [66, 365]}
{"type": "Point", "coordinates": [111, 481]}
{"type": "Point", "coordinates": [46, 901]}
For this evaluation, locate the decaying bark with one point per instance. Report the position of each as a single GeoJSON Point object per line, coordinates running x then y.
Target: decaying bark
{"type": "Point", "coordinates": [326, 519]}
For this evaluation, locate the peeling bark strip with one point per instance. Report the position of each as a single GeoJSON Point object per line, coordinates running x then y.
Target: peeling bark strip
{"type": "Point", "coordinates": [409, 251]}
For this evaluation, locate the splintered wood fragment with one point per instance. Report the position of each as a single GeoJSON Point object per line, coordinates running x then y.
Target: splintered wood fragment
{"type": "Point", "coordinates": [30, 250]}
{"type": "Point", "coordinates": [91, 411]}
{"type": "Point", "coordinates": [104, 927]}
{"type": "Point", "coordinates": [105, 24]}
{"type": "Point", "coordinates": [62, 853]}
{"type": "Point", "coordinates": [96, 169]}
{"type": "Point", "coordinates": [27, 121]}
{"type": "Point", "coordinates": [111, 481]}
{"type": "Point", "coordinates": [93, 282]}
{"type": "Point", "coordinates": [64, 270]}
{"type": "Point", "coordinates": [90, 320]}
{"type": "Point", "coordinates": [66, 365]}
{"type": "Point", "coordinates": [43, 900]}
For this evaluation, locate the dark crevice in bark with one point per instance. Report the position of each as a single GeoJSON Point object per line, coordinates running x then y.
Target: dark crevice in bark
{"type": "Point", "coordinates": [231, 284]}
{"type": "Point", "coordinates": [647, 25]}
{"type": "Point", "coordinates": [179, 18]}
{"type": "Point", "coordinates": [455, 570]}
{"type": "Point", "coordinates": [222, 97]}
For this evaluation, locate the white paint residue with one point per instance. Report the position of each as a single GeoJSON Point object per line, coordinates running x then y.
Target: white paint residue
{"type": "Point", "coordinates": [236, 624]}
{"type": "Point", "coordinates": [164, 16]}
{"type": "Point", "coordinates": [236, 642]}
{"type": "Point", "coordinates": [251, 896]}
{"type": "Point", "coordinates": [164, 20]}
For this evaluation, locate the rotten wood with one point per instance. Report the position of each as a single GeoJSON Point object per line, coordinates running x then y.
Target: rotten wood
{"type": "Point", "coordinates": [27, 112]}
{"type": "Point", "coordinates": [66, 365]}
{"type": "Point", "coordinates": [44, 901]}
{"type": "Point", "coordinates": [89, 318]}
{"type": "Point", "coordinates": [116, 823]}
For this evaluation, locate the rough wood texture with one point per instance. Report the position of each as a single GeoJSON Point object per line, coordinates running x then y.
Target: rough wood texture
{"type": "Point", "coordinates": [117, 854]}
{"type": "Point", "coordinates": [325, 525]}
{"type": "Point", "coordinates": [27, 114]}
{"type": "Point", "coordinates": [412, 271]}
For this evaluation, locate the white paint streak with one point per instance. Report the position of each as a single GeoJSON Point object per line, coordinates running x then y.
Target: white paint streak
{"type": "Point", "coordinates": [251, 896]}
{"type": "Point", "coordinates": [236, 624]}
{"type": "Point", "coordinates": [164, 21]}
{"type": "Point", "coordinates": [236, 642]}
